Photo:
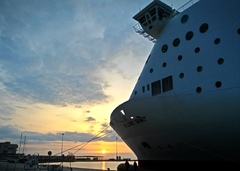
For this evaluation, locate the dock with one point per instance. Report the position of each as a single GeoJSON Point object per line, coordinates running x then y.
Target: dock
{"type": "Point", "coordinates": [5, 166]}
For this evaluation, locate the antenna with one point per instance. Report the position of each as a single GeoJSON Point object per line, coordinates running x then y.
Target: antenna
{"type": "Point", "coordinates": [24, 142]}
{"type": "Point", "coordinates": [20, 144]}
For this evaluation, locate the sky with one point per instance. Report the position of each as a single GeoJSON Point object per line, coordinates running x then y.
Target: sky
{"type": "Point", "coordinates": [64, 66]}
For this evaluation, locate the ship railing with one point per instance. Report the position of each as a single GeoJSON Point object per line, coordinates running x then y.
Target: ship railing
{"type": "Point", "coordinates": [138, 29]}
{"type": "Point", "coordinates": [187, 5]}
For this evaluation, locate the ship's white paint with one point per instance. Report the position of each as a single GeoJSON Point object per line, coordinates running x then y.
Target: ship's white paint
{"type": "Point", "coordinates": [182, 124]}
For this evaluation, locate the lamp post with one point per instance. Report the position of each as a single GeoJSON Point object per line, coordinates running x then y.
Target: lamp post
{"type": "Point", "coordinates": [116, 150]}
{"type": "Point", "coordinates": [62, 145]}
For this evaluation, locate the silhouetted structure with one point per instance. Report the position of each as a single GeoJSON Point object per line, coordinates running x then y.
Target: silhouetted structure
{"type": "Point", "coordinates": [6, 148]}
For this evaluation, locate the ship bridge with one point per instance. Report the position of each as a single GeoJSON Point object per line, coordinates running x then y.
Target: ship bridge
{"type": "Point", "coordinates": [153, 18]}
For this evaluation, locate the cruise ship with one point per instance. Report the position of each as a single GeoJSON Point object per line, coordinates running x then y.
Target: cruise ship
{"type": "Point", "coordinates": [185, 107]}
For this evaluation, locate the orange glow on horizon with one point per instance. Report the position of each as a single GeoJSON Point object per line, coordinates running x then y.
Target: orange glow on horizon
{"type": "Point", "coordinates": [98, 148]}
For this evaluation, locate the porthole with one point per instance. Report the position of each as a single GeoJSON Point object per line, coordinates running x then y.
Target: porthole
{"type": "Point", "coordinates": [198, 89]}
{"type": "Point", "coordinates": [135, 92]}
{"type": "Point", "coordinates": [164, 64]}
{"type": "Point", "coordinates": [180, 57]}
{"type": "Point", "coordinates": [184, 19]}
{"type": "Point", "coordinates": [218, 84]}
{"type": "Point", "coordinates": [217, 41]}
{"type": "Point", "coordinates": [197, 50]}
{"type": "Point", "coordinates": [189, 35]}
{"type": "Point", "coordinates": [220, 61]}
{"type": "Point", "coordinates": [164, 48]}
{"type": "Point", "coordinates": [151, 70]}
{"type": "Point", "coordinates": [238, 31]}
{"type": "Point", "coordinates": [199, 68]}
{"type": "Point", "coordinates": [176, 42]}
{"type": "Point", "coordinates": [181, 75]}
{"type": "Point", "coordinates": [203, 28]}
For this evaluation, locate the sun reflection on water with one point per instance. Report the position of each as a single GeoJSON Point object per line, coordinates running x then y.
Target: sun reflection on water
{"type": "Point", "coordinates": [103, 165]}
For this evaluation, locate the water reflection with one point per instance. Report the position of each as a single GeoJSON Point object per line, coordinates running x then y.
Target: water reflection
{"type": "Point", "coordinates": [103, 165]}
{"type": "Point", "coordinates": [100, 165]}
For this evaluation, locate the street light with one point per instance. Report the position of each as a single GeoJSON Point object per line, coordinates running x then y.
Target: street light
{"type": "Point", "coordinates": [62, 145]}
{"type": "Point", "coordinates": [116, 150]}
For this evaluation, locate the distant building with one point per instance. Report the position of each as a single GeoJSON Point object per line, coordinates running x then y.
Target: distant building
{"type": "Point", "coordinates": [8, 148]}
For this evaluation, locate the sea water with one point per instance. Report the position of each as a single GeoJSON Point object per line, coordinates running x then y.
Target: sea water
{"type": "Point", "coordinates": [102, 165]}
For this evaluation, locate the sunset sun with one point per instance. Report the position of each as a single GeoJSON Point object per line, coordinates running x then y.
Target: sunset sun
{"type": "Point", "coordinates": [103, 151]}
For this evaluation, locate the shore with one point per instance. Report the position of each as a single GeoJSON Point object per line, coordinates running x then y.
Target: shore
{"type": "Point", "coordinates": [5, 166]}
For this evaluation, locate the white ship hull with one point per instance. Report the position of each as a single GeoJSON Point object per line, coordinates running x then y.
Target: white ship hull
{"type": "Point", "coordinates": [197, 117]}
{"type": "Point", "coordinates": [181, 127]}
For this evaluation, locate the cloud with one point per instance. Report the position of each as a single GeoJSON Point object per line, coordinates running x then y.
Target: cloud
{"type": "Point", "coordinates": [58, 53]}
{"type": "Point", "coordinates": [46, 56]}
{"type": "Point", "coordinates": [10, 132]}
{"type": "Point", "coordinates": [90, 119]}
{"type": "Point", "coordinates": [78, 106]}
{"type": "Point", "coordinates": [105, 125]}
{"type": "Point", "coordinates": [3, 118]}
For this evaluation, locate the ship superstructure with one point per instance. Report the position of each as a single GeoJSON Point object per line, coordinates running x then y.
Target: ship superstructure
{"type": "Point", "coordinates": [186, 103]}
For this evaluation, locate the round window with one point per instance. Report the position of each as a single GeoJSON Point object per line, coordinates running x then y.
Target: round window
{"type": "Point", "coordinates": [198, 89]}
{"type": "Point", "coordinates": [181, 75]}
{"type": "Point", "coordinates": [189, 35]}
{"type": "Point", "coordinates": [203, 28]}
{"type": "Point", "coordinates": [184, 19]}
{"type": "Point", "coordinates": [218, 84]}
{"type": "Point", "coordinates": [164, 64]}
{"type": "Point", "coordinates": [199, 69]}
{"type": "Point", "coordinates": [220, 61]}
{"type": "Point", "coordinates": [176, 42]}
{"type": "Point", "coordinates": [164, 48]}
{"type": "Point", "coordinates": [180, 57]}
{"type": "Point", "coordinates": [217, 41]}
{"type": "Point", "coordinates": [197, 50]}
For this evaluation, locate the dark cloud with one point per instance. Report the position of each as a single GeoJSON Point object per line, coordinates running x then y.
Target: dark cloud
{"type": "Point", "coordinates": [6, 110]}
{"type": "Point", "coordinates": [21, 107]}
{"type": "Point", "coordinates": [78, 106]}
{"type": "Point", "coordinates": [7, 107]}
{"type": "Point", "coordinates": [90, 119]}
{"type": "Point", "coordinates": [104, 125]}
{"type": "Point", "coordinates": [4, 118]}
{"type": "Point", "coordinates": [9, 132]}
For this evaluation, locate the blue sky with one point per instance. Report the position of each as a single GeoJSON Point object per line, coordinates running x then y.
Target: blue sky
{"type": "Point", "coordinates": [67, 60]}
